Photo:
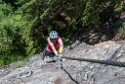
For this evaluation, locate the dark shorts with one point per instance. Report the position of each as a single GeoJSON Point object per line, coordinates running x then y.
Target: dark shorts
{"type": "Point", "coordinates": [47, 53]}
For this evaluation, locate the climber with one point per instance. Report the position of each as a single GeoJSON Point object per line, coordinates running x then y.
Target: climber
{"type": "Point", "coordinates": [54, 45]}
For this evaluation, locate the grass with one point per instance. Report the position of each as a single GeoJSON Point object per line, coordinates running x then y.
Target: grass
{"type": "Point", "coordinates": [21, 65]}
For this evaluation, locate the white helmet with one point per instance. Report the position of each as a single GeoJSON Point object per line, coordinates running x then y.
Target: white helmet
{"type": "Point", "coordinates": [53, 35]}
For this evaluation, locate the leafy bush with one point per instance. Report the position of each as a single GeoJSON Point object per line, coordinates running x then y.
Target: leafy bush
{"type": "Point", "coordinates": [25, 24]}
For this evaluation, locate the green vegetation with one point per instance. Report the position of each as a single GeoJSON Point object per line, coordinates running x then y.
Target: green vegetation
{"type": "Point", "coordinates": [25, 24]}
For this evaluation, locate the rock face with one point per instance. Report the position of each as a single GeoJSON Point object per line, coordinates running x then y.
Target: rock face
{"type": "Point", "coordinates": [73, 72]}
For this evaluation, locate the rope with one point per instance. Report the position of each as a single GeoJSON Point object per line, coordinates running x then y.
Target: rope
{"type": "Point", "coordinates": [107, 62]}
{"type": "Point", "coordinates": [27, 71]}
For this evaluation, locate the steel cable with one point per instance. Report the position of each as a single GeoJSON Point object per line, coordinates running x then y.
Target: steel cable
{"type": "Point", "coordinates": [107, 62]}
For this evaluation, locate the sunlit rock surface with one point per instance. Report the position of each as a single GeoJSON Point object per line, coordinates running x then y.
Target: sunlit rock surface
{"type": "Point", "coordinates": [73, 72]}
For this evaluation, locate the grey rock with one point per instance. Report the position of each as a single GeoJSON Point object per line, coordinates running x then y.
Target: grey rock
{"type": "Point", "coordinates": [73, 72]}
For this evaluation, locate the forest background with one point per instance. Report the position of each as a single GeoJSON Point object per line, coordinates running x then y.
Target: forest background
{"type": "Point", "coordinates": [25, 24]}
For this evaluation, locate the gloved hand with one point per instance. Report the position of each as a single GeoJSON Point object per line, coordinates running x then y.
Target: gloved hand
{"type": "Point", "coordinates": [60, 50]}
{"type": "Point", "coordinates": [56, 53]}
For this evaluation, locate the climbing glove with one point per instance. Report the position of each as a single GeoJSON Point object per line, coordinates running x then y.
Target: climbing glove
{"type": "Point", "coordinates": [60, 50]}
{"type": "Point", "coordinates": [56, 53]}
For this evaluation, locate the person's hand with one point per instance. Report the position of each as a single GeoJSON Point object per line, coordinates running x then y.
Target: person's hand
{"type": "Point", "coordinates": [60, 50]}
{"type": "Point", "coordinates": [56, 53]}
